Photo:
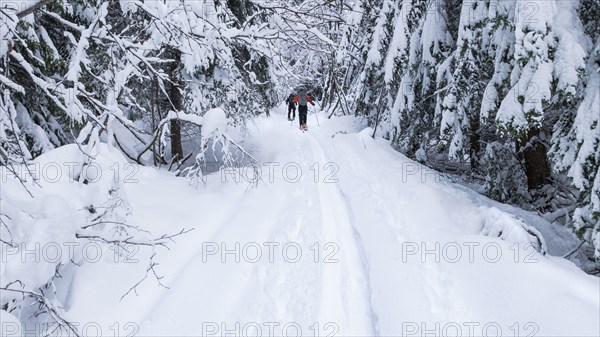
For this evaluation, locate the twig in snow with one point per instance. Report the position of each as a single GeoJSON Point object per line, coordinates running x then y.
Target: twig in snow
{"type": "Point", "coordinates": [151, 268]}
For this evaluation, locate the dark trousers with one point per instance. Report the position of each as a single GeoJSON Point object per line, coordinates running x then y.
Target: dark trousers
{"type": "Point", "coordinates": [302, 112]}
{"type": "Point", "coordinates": [291, 110]}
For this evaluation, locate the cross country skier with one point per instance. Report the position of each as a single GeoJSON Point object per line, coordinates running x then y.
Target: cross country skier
{"type": "Point", "coordinates": [291, 107]}
{"type": "Point", "coordinates": [302, 98]}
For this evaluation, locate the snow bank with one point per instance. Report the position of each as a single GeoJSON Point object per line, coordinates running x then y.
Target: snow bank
{"type": "Point", "coordinates": [507, 227]}
{"type": "Point", "coordinates": [440, 256]}
{"type": "Point", "coordinates": [62, 195]}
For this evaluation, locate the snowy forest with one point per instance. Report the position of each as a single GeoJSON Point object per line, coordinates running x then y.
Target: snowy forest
{"type": "Point", "coordinates": [120, 119]}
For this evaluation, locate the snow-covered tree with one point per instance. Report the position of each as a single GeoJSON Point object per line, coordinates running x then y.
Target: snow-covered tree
{"type": "Point", "coordinates": [505, 86]}
{"type": "Point", "coordinates": [576, 140]}
{"type": "Point", "coordinates": [430, 45]}
{"type": "Point", "coordinates": [470, 70]}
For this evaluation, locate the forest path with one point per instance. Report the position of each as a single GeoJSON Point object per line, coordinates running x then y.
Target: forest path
{"type": "Point", "coordinates": [343, 236]}
{"type": "Point", "coordinates": [281, 259]}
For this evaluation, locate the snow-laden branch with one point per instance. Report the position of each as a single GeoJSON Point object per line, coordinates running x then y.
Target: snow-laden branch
{"type": "Point", "coordinates": [31, 7]}
{"type": "Point", "coordinates": [46, 306]}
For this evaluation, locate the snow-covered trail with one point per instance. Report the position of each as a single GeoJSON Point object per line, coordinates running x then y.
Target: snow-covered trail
{"type": "Point", "coordinates": [324, 292]}
{"type": "Point", "coordinates": [343, 237]}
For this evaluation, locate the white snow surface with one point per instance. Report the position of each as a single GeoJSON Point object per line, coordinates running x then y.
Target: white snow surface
{"type": "Point", "coordinates": [384, 247]}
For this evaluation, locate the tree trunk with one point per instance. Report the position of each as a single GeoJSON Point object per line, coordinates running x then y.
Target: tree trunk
{"type": "Point", "coordinates": [176, 148]}
{"type": "Point", "coordinates": [475, 146]}
{"type": "Point", "coordinates": [536, 160]}
{"type": "Point", "coordinates": [177, 101]}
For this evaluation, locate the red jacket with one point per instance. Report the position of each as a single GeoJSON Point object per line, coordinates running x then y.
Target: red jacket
{"type": "Point", "coordinates": [307, 98]}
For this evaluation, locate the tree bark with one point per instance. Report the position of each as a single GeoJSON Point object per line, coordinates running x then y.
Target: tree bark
{"type": "Point", "coordinates": [475, 146]}
{"type": "Point", "coordinates": [534, 155]}
{"type": "Point", "coordinates": [177, 101]}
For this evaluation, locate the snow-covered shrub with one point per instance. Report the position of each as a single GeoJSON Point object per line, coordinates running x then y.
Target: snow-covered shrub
{"type": "Point", "coordinates": [58, 204]}
{"type": "Point", "coordinates": [508, 228]}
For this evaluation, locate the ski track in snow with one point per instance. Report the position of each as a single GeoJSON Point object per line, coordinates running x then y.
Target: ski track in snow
{"type": "Point", "coordinates": [392, 219]}
{"type": "Point", "coordinates": [345, 294]}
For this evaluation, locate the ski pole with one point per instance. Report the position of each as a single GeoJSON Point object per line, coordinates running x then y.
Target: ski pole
{"type": "Point", "coordinates": [317, 116]}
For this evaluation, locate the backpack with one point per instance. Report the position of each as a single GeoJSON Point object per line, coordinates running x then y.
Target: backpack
{"type": "Point", "coordinates": [302, 98]}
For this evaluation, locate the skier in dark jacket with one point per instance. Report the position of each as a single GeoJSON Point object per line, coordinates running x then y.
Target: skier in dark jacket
{"type": "Point", "coordinates": [291, 107]}
{"type": "Point", "coordinates": [302, 99]}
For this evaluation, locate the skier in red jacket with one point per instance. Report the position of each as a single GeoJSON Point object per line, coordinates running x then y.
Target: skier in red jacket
{"type": "Point", "coordinates": [302, 98]}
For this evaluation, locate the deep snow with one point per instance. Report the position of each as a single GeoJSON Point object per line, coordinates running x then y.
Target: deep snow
{"type": "Point", "coordinates": [364, 242]}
